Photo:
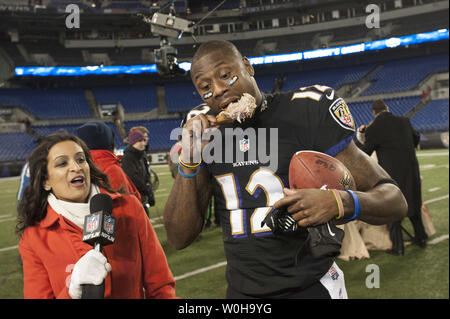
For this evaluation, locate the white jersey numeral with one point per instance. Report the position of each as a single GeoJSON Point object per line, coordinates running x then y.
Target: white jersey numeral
{"type": "Point", "coordinates": [263, 180]}
{"type": "Point", "coordinates": [315, 92]}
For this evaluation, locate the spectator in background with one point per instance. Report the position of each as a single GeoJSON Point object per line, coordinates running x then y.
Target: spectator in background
{"type": "Point", "coordinates": [144, 131]}
{"type": "Point", "coordinates": [56, 262]}
{"type": "Point", "coordinates": [394, 140]}
{"type": "Point", "coordinates": [135, 165]}
{"type": "Point", "coordinates": [99, 137]}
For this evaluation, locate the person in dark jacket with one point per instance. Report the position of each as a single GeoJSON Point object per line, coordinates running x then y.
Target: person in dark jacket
{"type": "Point", "coordinates": [135, 165]}
{"type": "Point", "coordinates": [99, 137]}
{"type": "Point", "coordinates": [394, 140]}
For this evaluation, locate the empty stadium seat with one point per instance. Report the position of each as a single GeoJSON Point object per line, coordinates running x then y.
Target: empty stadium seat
{"type": "Point", "coordinates": [432, 117]}
{"type": "Point", "coordinates": [49, 104]}
{"type": "Point", "coordinates": [134, 99]}
{"type": "Point", "coordinates": [71, 128]}
{"type": "Point", "coordinates": [334, 78]}
{"type": "Point", "coordinates": [181, 97]}
{"type": "Point", "coordinates": [15, 146]}
{"type": "Point", "coordinates": [406, 74]}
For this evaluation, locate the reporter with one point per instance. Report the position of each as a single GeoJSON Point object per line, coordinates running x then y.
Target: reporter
{"type": "Point", "coordinates": [51, 216]}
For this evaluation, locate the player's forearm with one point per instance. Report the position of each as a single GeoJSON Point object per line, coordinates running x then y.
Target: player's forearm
{"type": "Point", "coordinates": [185, 209]}
{"type": "Point", "coordinates": [381, 205]}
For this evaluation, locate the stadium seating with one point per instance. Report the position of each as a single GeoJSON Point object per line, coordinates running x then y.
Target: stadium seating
{"type": "Point", "coordinates": [433, 117]}
{"type": "Point", "coordinates": [181, 97]}
{"type": "Point", "coordinates": [49, 129]}
{"type": "Point", "coordinates": [133, 98]}
{"type": "Point", "coordinates": [362, 111]}
{"type": "Point", "coordinates": [15, 146]}
{"type": "Point", "coordinates": [334, 78]}
{"type": "Point", "coordinates": [64, 104]}
{"type": "Point", "coordinates": [70, 128]}
{"type": "Point", "coordinates": [48, 104]}
{"type": "Point", "coordinates": [404, 75]}
{"type": "Point", "coordinates": [266, 82]}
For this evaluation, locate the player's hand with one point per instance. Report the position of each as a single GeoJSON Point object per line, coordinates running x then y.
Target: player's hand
{"type": "Point", "coordinates": [192, 143]}
{"type": "Point", "coordinates": [309, 207]}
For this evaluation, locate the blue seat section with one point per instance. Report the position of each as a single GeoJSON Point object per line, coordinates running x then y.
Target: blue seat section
{"type": "Point", "coordinates": [159, 132]}
{"type": "Point", "coordinates": [70, 128]}
{"type": "Point", "coordinates": [15, 146]}
{"type": "Point", "coordinates": [48, 104]}
{"type": "Point", "coordinates": [181, 97]}
{"type": "Point", "coordinates": [49, 129]}
{"type": "Point", "coordinates": [406, 74]}
{"type": "Point", "coordinates": [432, 117]}
{"type": "Point", "coordinates": [266, 82]}
{"type": "Point", "coordinates": [334, 78]}
{"type": "Point", "coordinates": [134, 99]}
{"type": "Point", "coordinates": [353, 74]}
{"type": "Point", "coordinates": [362, 111]}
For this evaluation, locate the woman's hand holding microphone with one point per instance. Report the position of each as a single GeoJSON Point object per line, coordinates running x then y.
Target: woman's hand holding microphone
{"type": "Point", "coordinates": [92, 269]}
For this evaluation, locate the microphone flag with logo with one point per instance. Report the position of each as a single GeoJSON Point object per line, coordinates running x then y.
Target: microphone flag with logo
{"type": "Point", "coordinates": [98, 231]}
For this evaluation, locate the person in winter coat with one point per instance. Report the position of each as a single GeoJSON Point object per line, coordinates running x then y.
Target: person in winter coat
{"type": "Point", "coordinates": [134, 164]}
{"type": "Point", "coordinates": [99, 137]}
{"type": "Point", "coordinates": [56, 262]}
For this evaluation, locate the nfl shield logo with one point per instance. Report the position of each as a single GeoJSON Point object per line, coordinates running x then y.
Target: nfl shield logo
{"type": "Point", "coordinates": [92, 223]}
{"type": "Point", "coordinates": [109, 225]}
{"type": "Point", "coordinates": [244, 145]}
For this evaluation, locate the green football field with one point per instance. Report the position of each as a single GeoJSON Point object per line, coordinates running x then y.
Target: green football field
{"type": "Point", "coordinates": [200, 269]}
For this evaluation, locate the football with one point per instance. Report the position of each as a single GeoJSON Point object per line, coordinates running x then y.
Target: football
{"type": "Point", "coordinates": [310, 169]}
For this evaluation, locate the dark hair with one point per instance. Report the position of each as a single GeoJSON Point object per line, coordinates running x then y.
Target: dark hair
{"type": "Point", "coordinates": [32, 208]}
{"type": "Point", "coordinates": [379, 106]}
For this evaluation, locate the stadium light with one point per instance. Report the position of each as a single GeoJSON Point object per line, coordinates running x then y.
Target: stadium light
{"type": "Point", "coordinates": [383, 44]}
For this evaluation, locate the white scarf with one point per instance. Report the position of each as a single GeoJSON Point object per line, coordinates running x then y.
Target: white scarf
{"type": "Point", "coordinates": [75, 212]}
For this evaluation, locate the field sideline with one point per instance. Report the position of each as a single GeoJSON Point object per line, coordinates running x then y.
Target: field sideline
{"type": "Point", "coordinates": [200, 268]}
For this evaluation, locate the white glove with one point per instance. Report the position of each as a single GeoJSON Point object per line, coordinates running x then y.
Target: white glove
{"type": "Point", "coordinates": [92, 269]}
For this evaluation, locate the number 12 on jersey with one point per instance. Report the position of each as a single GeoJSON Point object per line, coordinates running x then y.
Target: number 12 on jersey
{"type": "Point", "coordinates": [262, 180]}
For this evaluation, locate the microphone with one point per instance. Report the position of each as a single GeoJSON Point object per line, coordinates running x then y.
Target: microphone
{"type": "Point", "coordinates": [98, 231]}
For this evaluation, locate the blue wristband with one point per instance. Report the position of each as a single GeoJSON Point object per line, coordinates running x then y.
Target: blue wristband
{"type": "Point", "coordinates": [187, 175]}
{"type": "Point", "coordinates": [357, 207]}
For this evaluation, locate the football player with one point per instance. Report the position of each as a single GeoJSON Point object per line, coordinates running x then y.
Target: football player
{"type": "Point", "coordinates": [267, 257]}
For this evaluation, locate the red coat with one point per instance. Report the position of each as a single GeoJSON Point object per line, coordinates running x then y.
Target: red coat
{"type": "Point", "coordinates": [50, 250]}
{"type": "Point", "coordinates": [109, 164]}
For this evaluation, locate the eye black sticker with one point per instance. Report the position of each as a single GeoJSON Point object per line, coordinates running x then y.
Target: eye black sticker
{"type": "Point", "coordinates": [233, 80]}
